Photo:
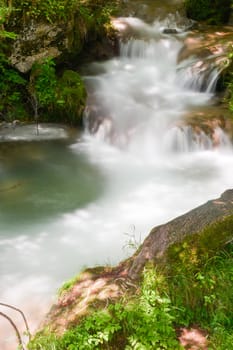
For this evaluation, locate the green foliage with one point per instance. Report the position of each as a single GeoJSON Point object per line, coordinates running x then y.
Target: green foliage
{"type": "Point", "coordinates": [145, 322]}
{"type": "Point", "coordinates": [200, 274]}
{"type": "Point", "coordinates": [212, 11]}
{"type": "Point", "coordinates": [191, 291]}
{"type": "Point", "coordinates": [11, 92]}
{"type": "Point", "coordinates": [47, 9]}
{"type": "Point", "coordinates": [150, 318]}
{"type": "Point", "coordinates": [54, 10]}
{"type": "Point", "coordinates": [43, 82]}
{"type": "Point", "coordinates": [222, 339]}
{"type": "Point", "coordinates": [67, 285]}
{"type": "Point", "coordinates": [71, 97]}
{"type": "Point", "coordinates": [59, 100]}
{"type": "Point", "coordinates": [4, 14]}
{"type": "Point", "coordinates": [42, 87]}
{"type": "Point", "coordinates": [228, 80]}
{"type": "Point", "coordinates": [44, 341]}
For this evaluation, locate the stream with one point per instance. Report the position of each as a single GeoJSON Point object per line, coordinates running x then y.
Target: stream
{"type": "Point", "coordinates": [81, 200]}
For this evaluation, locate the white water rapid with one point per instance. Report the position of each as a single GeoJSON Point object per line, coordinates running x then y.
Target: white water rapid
{"type": "Point", "coordinates": [147, 167]}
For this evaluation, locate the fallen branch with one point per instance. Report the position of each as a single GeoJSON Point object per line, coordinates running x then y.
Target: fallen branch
{"type": "Point", "coordinates": [15, 328]}
{"type": "Point", "coordinates": [22, 314]}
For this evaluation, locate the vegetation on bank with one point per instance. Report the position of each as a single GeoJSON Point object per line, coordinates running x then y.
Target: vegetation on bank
{"type": "Point", "coordinates": [24, 96]}
{"type": "Point", "coordinates": [211, 11]}
{"type": "Point", "coordinates": [193, 288]}
{"type": "Point", "coordinates": [61, 99]}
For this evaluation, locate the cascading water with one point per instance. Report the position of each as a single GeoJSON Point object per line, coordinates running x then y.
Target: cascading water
{"type": "Point", "coordinates": [140, 97]}
{"type": "Point", "coordinates": [200, 74]}
{"type": "Point", "coordinates": [148, 167]}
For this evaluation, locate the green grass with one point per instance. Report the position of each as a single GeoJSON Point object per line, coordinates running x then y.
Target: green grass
{"type": "Point", "coordinates": [200, 295]}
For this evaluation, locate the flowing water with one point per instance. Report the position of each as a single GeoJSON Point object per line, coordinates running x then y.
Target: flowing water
{"type": "Point", "coordinates": [70, 203]}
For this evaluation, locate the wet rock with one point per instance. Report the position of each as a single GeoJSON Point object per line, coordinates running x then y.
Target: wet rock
{"type": "Point", "coordinates": [37, 40]}
{"type": "Point", "coordinates": [208, 48]}
{"type": "Point", "coordinates": [208, 118]}
{"type": "Point", "coordinates": [170, 31]}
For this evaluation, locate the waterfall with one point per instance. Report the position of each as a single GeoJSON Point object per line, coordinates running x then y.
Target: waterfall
{"type": "Point", "coordinates": [141, 96]}
{"type": "Point", "coordinates": [200, 74]}
{"type": "Point", "coordinates": [186, 139]}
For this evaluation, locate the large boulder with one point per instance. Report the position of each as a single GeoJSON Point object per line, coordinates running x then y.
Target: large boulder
{"type": "Point", "coordinates": [61, 39]}
{"type": "Point", "coordinates": [212, 223]}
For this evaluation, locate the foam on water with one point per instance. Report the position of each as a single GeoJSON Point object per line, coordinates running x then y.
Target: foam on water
{"type": "Point", "coordinates": [32, 132]}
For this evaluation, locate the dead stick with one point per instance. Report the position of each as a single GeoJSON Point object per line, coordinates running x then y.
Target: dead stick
{"type": "Point", "coordinates": [22, 314]}
{"type": "Point", "coordinates": [15, 328]}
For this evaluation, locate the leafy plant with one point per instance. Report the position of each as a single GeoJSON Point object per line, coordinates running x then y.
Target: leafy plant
{"type": "Point", "coordinates": [202, 287]}
{"type": "Point", "coordinates": [11, 92]}
{"type": "Point", "coordinates": [67, 285]}
{"type": "Point", "coordinates": [50, 10]}
{"type": "Point", "coordinates": [4, 14]}
{"type": "Point", "coordinates": [222, 339]}
{"type": "Point", "coordinates": [58, 99]}
{"type": "Point", "coordinates": [188, 294]}
{"type": "Point", "coordinates": [42, 86]}
{"type": "Point", "coordinates": [145, 322]}
{"type": "Point", "coordinates": [70, 97]}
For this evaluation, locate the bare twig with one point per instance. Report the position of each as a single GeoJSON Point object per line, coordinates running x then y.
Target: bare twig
{"type": "Point", "coordinates": [15, 328]}
{"type": "Point", "coordinates": [22, 314]}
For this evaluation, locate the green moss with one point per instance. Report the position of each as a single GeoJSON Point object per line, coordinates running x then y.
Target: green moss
{"type": "Point", "coordinates": [201, 276]}
{"type": "Point", "coordinates": [197, 248]}
{"type": "Point", "coordinates": [212, 11]}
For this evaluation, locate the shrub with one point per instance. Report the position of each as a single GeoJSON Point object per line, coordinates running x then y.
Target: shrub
{"type": "Point", "coordinates": [71, 97]}
{"type": "Point", "coordinates": [56, 99]}
{"type": "Point", "coordinates": [186, 294]}
{"type": "Point", "coordinates": [12, 90]}
{"type": "Point", "coordinates": [144, 322]}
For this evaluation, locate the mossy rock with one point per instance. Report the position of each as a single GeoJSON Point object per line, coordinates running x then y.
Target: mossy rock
{"type": "Point", "coordinates": [198, 248]}
{"type": "Point", "coordinates": [212, 11]}
{"type": "Point", "coordinates": [212, 221]}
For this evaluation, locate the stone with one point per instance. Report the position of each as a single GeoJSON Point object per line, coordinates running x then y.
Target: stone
{"type": "Point", "coordinates": [155, 246]}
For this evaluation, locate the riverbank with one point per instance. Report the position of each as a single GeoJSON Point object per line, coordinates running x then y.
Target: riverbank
{"type": "Point", "coordinates": [185, 266]}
